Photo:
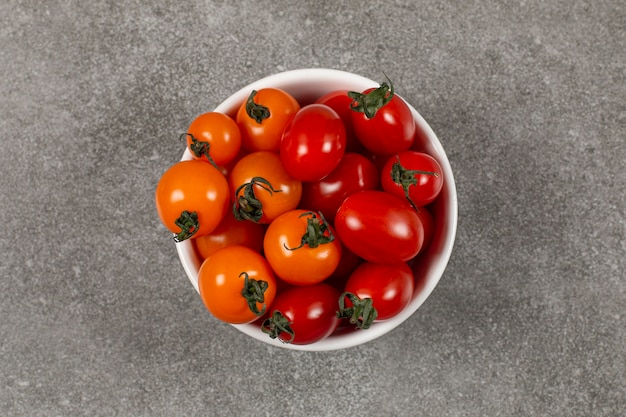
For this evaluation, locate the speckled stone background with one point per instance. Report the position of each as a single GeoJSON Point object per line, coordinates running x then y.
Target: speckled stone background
{"type": "Point", "coordinates": [528, 98]}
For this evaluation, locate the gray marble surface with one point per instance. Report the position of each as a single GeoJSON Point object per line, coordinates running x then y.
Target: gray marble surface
{"type": "Point", "coordinates": [96, 315]}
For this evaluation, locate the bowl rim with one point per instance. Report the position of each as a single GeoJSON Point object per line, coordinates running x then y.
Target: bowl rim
{"type": "Point", "coordinates": [289, 80]}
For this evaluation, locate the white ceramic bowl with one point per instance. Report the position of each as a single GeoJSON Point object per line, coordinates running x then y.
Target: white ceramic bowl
{"type": "Point", "coordinates": [306, 85]}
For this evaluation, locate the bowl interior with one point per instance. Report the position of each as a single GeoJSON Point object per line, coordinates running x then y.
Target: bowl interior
{"type": "Point", "coordinates": [306, 85]}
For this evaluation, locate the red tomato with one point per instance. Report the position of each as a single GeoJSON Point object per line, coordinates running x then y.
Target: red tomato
{"type": "Point", "coordinates": [236, 284]}
{"type": "Point", "coordinates": [383, 122]}
{"type": "Point", "coordinates": [301, 247]}
{"type": "Point", "coordinates": [303, 315]}
{"type": "Point", "coordinates": [214, 137]}
{"type": "Point", "coordinates": [354, 173]}
{"type": "Point", "coordinates": [231, 232]}
{"type": "Point", "coordinates": [262, 188]}
{"type": "Point", "coordinates": [416, 176]}
{"type": "Point", "coordinates": [347, 264]}
{"type": "Point", "coordinates": [313, 143]}
{"type": "Point", "coordinates": [263, 117]}
{"type": "Point", "coordinates": [339, 101]}
{"type": "Point", "coordinates": [379, 227]}
{"type": "Point", "coordinates": [390, 286]}
{"type": "Point", "coordinates": [191, 198]}
{"type": "Point", "coordinates": [429, 226]}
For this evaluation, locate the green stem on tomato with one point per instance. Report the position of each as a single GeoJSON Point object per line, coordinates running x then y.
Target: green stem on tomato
{"type": "Point", "coordinates": [254, 292]}
{"type": "Point", "coordinates": [362, 313]}
{"type": "Point", "coordinates": [199, 148]}
{"type": "Point", "coordinates": [248, 206]}
{"type": "Point", "coordinates": [276, 325]}
{"type": "Point", "coordinates": [256, 111]}
{"type": "Point", "coordinates": [406, 177]}
{"type": "Point", "coordinates": [189, 225]}
{"type": "Point", "coordinates": [316, 231]}
{"type": "Point", "coordinates": [373, 101]}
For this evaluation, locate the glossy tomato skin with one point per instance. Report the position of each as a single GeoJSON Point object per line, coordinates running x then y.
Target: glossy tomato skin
{"type": "Point", "coordinates": [426, 188]}
{"type": "Point", "coordinates": [311, 310]}
{"type": "Point", "coordinates": [339, 101]}
{"type": "Point", "coordinates": [390, 131]}
{"type": "Point", "coordinates": [353, 173]}
{"type": "Point", "coordinates": [428, 223]}
{"type": "Point", "coordinates": [266, 135]}
{"type": "Point", "coordinates": [313, 143]}
{"type": "Point", "coordinates": [390, 286]}
{"type": "Point", "coordinates": [305, 265]}
{"type": "Point", "coordinates": [231, 232]}
{"type": "Point", "coordinates": [220, 283]}
{"type": "Point", "coordinates": [379, 227]}
{"type": "Point", "coordinates": [220, 132]}
{"type": "Point", "coordinates": [268, 166]}
{"type": "Point", "coordinates": [194, 186]}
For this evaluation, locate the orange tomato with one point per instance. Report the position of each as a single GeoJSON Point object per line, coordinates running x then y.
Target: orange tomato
{"type": "Point", "coordinates": [214, 137]}
{"type": "Point", "coordinates": [262, 187]}
{"type": "Point", "coordinates": [301, 247]}
{"type": "Point", "coordinates": [236, 284]}
{"type": "Point", "coordinates": [191, 198]}
{"type": "Point", "coordinates": [263, 117]}
{"type": "Point", "coordinates": [231, 232]}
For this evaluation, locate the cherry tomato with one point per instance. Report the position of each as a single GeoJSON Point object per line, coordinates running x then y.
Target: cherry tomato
{"type": "Point", "coordinates": [313, 143]}
{"type": "Point", "coordinates": [231, 232]}
{"type": "Point", "coordinates": [389, 286]}
{"type": "Point", "coordinates": [214, 137]}
{"type": "Point", "coordinates": [339, 101]}
{"type": "Point", "coordinates": [429, 226]}
{"type": "Point", "coordinates": [383, 122]}
{"type": "Point", "coordinates": [262, 187]}
{"type": "Point", "coordinates": [301, 247]}
{"type": "Point", "coordinates": [263, 117]}
{"type": "Point", "coordinates": [191, 198]}
{"type": "Point", "coordinates": [303, 315]}
{"type": "Point", "coordinates": [379, 227]}
{"type": "Point", "coordinates": [354, 173]}
{"type": "Point", "coordinates": [236, 284]}
{"type": "Point", "coordinates": [416, 176]}
{"type": "Point", "coordinates": [347, 264]}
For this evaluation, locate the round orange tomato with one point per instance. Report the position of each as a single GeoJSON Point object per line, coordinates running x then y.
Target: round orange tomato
{"type": "Point", "coordinates": [301, 247]}
{"type": "Point", "coordinates": [236, 284]}
{"type": "Point", "coordinates": [262, 188]}
{"type": "Point", "coordinates": [231, 232]}
{"type": "Point", "coordinates": [191, 198]}
{"type": "Point", "coordinates": [263, 117]}
{"type": "Point", "coordinates": [214, 137]}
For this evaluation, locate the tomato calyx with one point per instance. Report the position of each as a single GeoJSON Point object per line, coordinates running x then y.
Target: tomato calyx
{"type": "Point", "coordinates": [315, 234]}
{"type": "Point", "coordinates": [199, 148]}
{"type": "Point", "coordinates": [189, 225]}
{"type": "Point", "coordinates": [256, 111]}
{"type": "Point", "coordinates": [248, 206]}
{"type": "Point", "coordinates": [277, 324]}
{"type": "Point", "coordinates": [370, 103]}
{"type": "Point", "coordinates": [406, 177]}
{"type": "Point", "coordinates": [254, 292]}
{"type": "Point", "coordinates": [362, 313]}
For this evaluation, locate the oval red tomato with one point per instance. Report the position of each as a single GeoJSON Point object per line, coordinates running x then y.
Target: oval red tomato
{"type": "Point", "coordinates": [379, 227]}
{"type": "Point", "coordinates": [313, 143]}
{"type": "Point", "coordinates": [416, 176]}
{"type": "Point", "coordinates": [383, 121]}
{"type": "Point", "coordinates": [354, 173]}
{"type": "Point", "coordinates": [339, 101]}
{"type": "Point", "coordinates": [390, 286]}
{"type": "Point", "coordinates": [303, 315]}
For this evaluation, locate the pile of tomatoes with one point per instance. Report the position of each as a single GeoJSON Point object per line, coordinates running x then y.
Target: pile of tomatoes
{"type": "Point", "coordinates": [306, 217]}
